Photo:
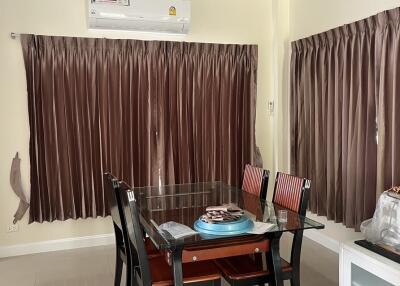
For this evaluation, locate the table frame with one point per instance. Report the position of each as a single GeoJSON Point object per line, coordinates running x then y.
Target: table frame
{"type": "Point", "coordinates": [208, 250]}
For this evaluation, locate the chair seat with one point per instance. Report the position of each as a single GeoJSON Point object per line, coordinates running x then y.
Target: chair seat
{"type": "Point", "coordinates": [246, 267]}
{"type": "Point", "coordinates": [162, 275]}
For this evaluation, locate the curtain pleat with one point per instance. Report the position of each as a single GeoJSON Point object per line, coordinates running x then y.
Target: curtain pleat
{"type": "Point", "coordinates": [149, 112]}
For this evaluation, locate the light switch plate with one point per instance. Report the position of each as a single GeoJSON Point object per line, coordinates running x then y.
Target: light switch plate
{"type": "Point", "coordinates": [271, 106]}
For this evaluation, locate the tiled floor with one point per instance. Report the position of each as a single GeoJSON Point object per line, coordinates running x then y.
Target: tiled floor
{"type": "Point", "coordinates": [95, 266]}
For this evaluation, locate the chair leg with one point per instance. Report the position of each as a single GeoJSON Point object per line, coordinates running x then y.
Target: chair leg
{"type": "Point", "coordinates": [118, 269]}
{"type": "Point", "coordinates": [295, 280]}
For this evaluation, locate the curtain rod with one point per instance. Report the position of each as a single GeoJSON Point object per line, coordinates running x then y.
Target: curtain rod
{"type": "Point", "coordinates": [14, 35]}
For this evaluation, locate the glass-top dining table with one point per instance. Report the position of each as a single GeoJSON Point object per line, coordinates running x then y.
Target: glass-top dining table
{"type": "Point", "coordinates": [185, 203]}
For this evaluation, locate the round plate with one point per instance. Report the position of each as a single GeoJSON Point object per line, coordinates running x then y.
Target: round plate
{"type": "Point", "coordinates": [244, 224]}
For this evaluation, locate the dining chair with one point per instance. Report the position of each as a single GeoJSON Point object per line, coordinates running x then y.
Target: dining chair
{"type": "Point", "coordinates": [255, 181]}
{"type": "Point", "coordinates": [155, 270]}
{"type": "Point", "coordinates": [291, 193]}
{"type": "Point", "coordinates": [110, 188]}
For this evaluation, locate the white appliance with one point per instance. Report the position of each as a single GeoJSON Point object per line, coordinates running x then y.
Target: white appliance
{"type": "Point", "coordinates": [167, 16]}
{"type": "Point", "coordinates": [360, 267]}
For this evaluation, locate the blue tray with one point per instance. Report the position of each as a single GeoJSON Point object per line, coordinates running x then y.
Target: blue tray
{"type": "Point", "coordinates": [244, 224]}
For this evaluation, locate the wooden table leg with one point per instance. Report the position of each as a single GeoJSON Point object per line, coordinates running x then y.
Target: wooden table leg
{"type": "Point", "coordinates": [177, 266]}
{"type": "Point", "coordinates": [274, 259]}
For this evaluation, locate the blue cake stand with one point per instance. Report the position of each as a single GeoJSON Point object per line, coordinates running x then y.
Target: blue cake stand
{"type": "Point", "coordinates": [242, 225]}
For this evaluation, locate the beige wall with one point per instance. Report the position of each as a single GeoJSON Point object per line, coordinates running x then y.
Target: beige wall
{"type": "Point", "coordinates": [222, 21]}
{"type": "Point", "coordinates": [308, 17]}
{"type": "Point", "coordinates": [279, 89]}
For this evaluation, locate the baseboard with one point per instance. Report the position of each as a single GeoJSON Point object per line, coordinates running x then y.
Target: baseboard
{"type": "Point", "coordinates": [323, 239]}
{"type": "Point", "coordinates": [54, 245]}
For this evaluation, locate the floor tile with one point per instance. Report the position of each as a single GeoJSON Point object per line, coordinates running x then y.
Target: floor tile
{"type": "Point", "coordinates": [94, 266]}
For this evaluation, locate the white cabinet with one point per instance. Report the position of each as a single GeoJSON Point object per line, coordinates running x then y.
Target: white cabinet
{"type": "Point", "coordinates": [361, 267]}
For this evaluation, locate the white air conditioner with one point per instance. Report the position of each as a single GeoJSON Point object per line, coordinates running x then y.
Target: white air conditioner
{"type": "Point", "coordinates": [167, 16]}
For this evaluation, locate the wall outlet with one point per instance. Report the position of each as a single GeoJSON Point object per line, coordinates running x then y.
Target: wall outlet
{"type": "Point", "coordinates": [12, 228]}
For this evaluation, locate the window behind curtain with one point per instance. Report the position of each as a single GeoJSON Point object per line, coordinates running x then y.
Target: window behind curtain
{"type": "Point", "coordinates": [133, 108]}
{"type": "Point", "coordinates": [341, 82]}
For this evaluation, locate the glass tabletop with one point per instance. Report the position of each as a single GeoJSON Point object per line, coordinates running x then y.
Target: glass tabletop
{"type": "Point", "coordinates": [186, 203]}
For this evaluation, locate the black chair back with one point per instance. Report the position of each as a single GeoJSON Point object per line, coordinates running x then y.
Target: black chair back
{"type": "Point", "coordinates": [134, 236]}
{"type": "Point", "coordinates": [264, 186]}
{"type": "Point", "coordinates": [110, 186]}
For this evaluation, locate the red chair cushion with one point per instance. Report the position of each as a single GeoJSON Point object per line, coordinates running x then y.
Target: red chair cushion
{"type": "Point", "coordinates": [252, 179]}
{"type": "Point", "coordinates": [288, 191]}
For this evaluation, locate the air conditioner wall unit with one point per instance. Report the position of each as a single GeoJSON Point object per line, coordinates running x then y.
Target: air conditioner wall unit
{"type": "Point", "coordinates": [164, 16]}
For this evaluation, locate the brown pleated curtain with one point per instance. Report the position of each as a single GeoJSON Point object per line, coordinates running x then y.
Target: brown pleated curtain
{"type": "Point", "coordinates": [388, 90]}
{"type": "Point", "coordinates": [207, 117]}
{"type": "Point", "coordinates": [341, 80]}
{"type": "Point", "coordinates": [147, 111]}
